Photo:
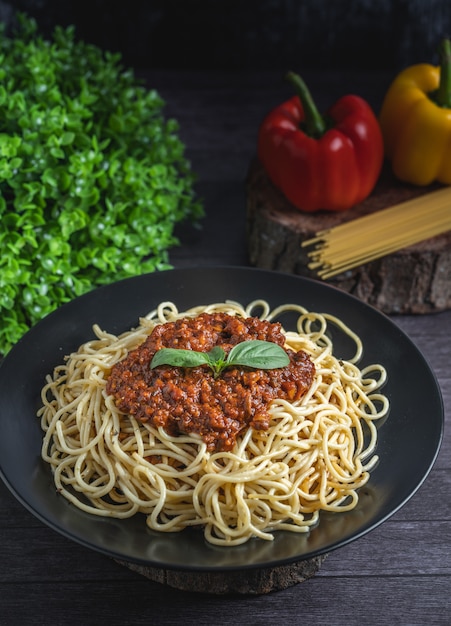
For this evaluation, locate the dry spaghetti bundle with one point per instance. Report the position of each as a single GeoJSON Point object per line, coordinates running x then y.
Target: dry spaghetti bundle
{"type": "Point", "coordinates": [315, 455]}
{"type": "Point", "coordinates": [367, 238]}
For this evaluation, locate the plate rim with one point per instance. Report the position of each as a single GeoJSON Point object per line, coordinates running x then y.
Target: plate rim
{"type": "Point", "coordinates": [315, 284]}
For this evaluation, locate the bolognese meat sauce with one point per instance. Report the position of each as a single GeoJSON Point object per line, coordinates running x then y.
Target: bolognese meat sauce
{"type": "Point", "coordinates": [191, 400]}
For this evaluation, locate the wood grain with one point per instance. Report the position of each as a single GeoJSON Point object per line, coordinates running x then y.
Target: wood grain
{"type": "Point", "coordinates": [397, 574]}
{"type": "Point", "coordinates": [415, 279]}
{"type": "Point", "coordinates": [364, 34]}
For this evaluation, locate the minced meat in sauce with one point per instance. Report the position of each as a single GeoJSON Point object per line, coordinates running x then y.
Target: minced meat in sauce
{"type": "Point", "coordinates": [191, 400]}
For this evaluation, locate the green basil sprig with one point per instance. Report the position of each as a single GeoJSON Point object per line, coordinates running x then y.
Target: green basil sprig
{"type": "Point", "coordinates": [254, 353]}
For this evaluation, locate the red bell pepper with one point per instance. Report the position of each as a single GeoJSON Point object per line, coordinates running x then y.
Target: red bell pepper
{"type": "Point", "coordinates": [320, 162]}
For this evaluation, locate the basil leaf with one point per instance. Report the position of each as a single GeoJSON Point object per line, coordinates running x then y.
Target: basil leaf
{"type": "Point", "coordinates": [258, 354]}
{"type": "Point", "coordinates": [179, 358]}
{"type": "Point", "coordinates": [217, 354]}
{"type": "Point", "coordinates": [254, 353]}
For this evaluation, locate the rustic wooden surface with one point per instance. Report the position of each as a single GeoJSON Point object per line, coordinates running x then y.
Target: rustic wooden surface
{"type": "Point", "coordinates": [255, 33]}
{"type": "Point", "coordinates": [415, 279]}
{"type": "Point", "coordinates": [400, 573]}
{"type": "Point", "coordinates": [245, 582]}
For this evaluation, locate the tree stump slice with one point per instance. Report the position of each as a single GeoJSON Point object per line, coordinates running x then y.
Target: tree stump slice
{"type": "Point", "coordinates": [242, 582]}
{"type": "Point", "coordinates": [414, 280]}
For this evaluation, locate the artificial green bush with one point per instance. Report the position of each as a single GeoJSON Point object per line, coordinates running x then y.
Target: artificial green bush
{"type": "Point", "coordinates": [93, 179]}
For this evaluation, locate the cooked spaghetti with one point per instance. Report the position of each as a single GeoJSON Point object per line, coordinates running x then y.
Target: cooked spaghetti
{"type": "Point", "coordinates": [315, 454]}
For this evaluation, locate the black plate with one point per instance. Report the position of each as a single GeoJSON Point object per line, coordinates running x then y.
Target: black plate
{"type": "Point", "coordinates": [408, 442]}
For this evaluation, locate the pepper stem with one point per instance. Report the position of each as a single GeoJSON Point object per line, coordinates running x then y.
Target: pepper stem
{"type": "Point", "coordinates": [314, 124]}
{"type": "Point", "coordinates": [443, 95]}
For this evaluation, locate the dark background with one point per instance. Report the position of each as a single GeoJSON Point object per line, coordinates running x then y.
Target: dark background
{"type": "Point", "coordinates": [253, 34]}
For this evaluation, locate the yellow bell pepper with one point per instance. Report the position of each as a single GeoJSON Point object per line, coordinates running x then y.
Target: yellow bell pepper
{"type": "Point", "coordinates": [415, 119]}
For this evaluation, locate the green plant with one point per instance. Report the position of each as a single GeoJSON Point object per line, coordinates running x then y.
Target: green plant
{"type": "Point", "coordinates": [93, 179]}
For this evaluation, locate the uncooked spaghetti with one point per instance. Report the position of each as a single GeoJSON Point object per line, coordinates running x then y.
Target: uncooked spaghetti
{"type": "Point", "coordinates": [315, 456]}
{"type": "Point", "coordinates": [367, 238]}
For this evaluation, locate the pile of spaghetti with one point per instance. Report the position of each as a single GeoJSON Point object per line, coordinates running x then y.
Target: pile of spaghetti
{"type": "Point", "coordinates": [316, 454]}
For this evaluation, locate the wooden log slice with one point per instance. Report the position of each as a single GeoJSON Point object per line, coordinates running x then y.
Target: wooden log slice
{"type": "Point", "coordinates": [416, 279]}
{"type": "Point", "coordinates": [243, 582]}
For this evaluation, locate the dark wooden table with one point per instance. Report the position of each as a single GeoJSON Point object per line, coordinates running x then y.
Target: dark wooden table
{"type": "Point", "coordinates": [399, 573]}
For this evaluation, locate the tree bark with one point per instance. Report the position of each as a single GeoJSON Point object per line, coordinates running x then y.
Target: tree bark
{"type": "Point", "coordinates": [416, 279]}
{"type": "Point", "coordinates": [244, 582]}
